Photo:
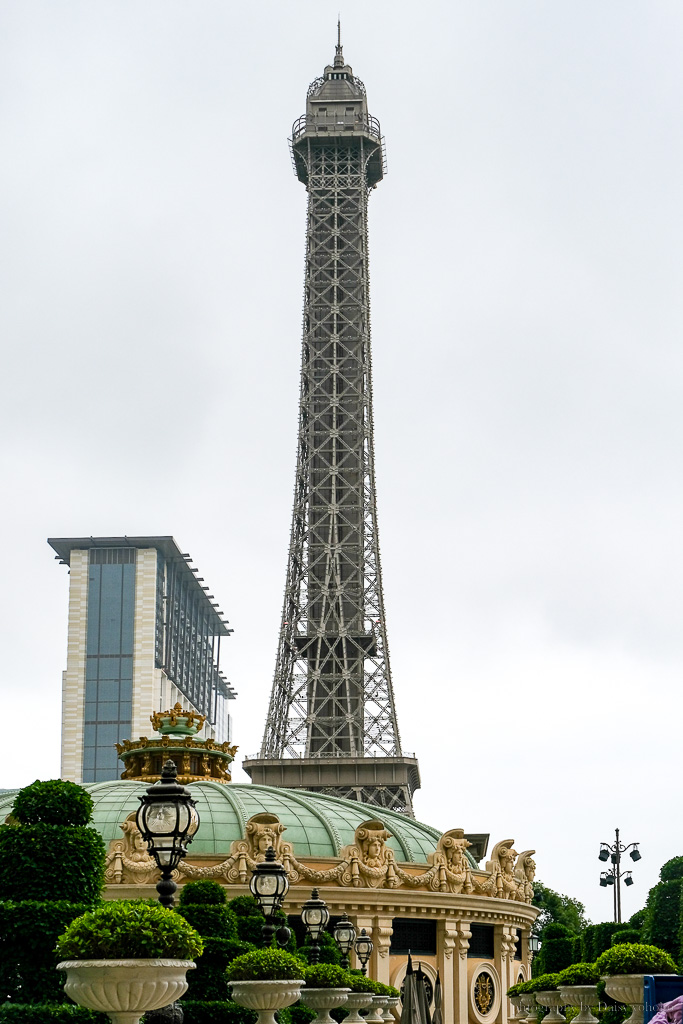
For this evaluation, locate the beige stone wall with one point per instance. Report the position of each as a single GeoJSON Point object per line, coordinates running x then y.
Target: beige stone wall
{"type": "Point", "coordinates": [73, 679]}
{"type": "Point", "coordinates": [146, 678]}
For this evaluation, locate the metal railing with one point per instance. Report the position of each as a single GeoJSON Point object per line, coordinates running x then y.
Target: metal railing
{"type": "Point", "coordinates": [335, 124]}
{"type": "Point", "coordinates": [299, 757]}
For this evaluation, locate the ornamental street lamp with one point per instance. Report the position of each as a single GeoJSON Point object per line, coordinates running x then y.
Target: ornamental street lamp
{"type": "Point", "coordinates": [167, 819]}
{"type": "Point", "coordinates": [614, 876]}
{"type": "Point", "coordinates": [364, 948]}
{"type": "Point", "coordinates": [315, 915]}
{"type": "Point", "coordinates": [344, 934]}
{"type": "Point", "coordinates": [534, 944]}
{"type": "Point", "coordinates": [269, 885]}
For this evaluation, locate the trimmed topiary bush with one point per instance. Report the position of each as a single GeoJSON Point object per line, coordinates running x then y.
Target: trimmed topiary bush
{"type": "Point", "coordinates": [205, 892]}
{"type": "Point", "coordinates": [28, 933]}
{"type": "Point", "coordinates": [542, 983]}
{"type": "Point", "coordinates": [357, 982]}
{"type": "Point", "coordinates": [625, 935]}
{"type": "Point", "coordinates": [557, 950]}
{"type": "Point", "coordinates": [266, 965]}
{"type": "Point", "coordinates": [579, 974]}
{"type": "Point", "coordinates": [127, 929]}
{"type": "Point", "coordinates": [52, 803]}
{"type": "Point", "coordinates": [635, 958]}
{"type": "Point", "coordinates": [326, 976]}
{"type": "Point", "coordinates": [39, 861]}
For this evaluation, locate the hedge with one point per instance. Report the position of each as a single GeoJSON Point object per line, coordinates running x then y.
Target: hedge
{"type": "Point", "coordinates": [38, 861]}
{"type": "Point", "coordinates": [69, 1013]}
{"type": "Point", "coordinates": [219, 922]}
{"type": "Point", "coordinates": [596, 938]}
{"type": "Point", "coordinates": [626, 935]}
{"type": "Point", "coordinates": [672, 869]}
{"type": "Point", "coordinates": [28, 934]}
{"type": "Point", "coordinates": [217, 1012]}
{"type": "Point", "coordinates": [205, 892]}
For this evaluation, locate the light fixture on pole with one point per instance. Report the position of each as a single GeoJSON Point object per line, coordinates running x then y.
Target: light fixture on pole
{"type": "Point", "coordinates": [269, 885]}
{"type": "Point", "coordinates": [167, 819]}
{"type": "Point", "coordinates": [315, 915]}
{"type": "Point", "coordinates": [613, 877]}
{"type": "Point", "coordinates": [534, 944]}
{"type": "Point", "coordinates": [344, 935]}
{"type": "Point", "coordinates": [364, 947]}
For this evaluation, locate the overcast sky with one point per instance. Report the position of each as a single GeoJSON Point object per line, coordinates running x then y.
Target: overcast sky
{"type": "Point", "coordinates": [526, 262]}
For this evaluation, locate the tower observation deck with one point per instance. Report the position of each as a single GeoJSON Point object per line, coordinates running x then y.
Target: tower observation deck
{"type": "Point", "coordinates": [332, 724]}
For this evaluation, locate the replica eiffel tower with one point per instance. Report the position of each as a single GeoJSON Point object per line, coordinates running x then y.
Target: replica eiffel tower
{"type": "Point", "coordinates": [331, 724]}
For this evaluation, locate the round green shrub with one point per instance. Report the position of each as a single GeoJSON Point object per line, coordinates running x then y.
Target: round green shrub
{"type": "Point", "coordinates": [515, 990]}
{"type": "Point", "coordinates": [358, 982]}
{"type": "Point", "coordinates": [126, 929]}
{"type": "Point", "coordinates": [52, 803]}
{"type": "Point", "coordinates": [326, 976]}
{"type": "Point", "coordinates": [543, 983]}
{"type": "Point", "coordinates": [635, 958]}
{"type": "Point", "coordinates": [205, 892]}
{"type": "Point", "coordinates": [266, 965]}
{"type": "Point", "coordinates": [578, 974]}
{"type": "Point", "coordinates": [672, 869]}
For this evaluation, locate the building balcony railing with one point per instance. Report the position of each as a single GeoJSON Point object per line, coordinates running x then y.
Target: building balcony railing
{"type": "Point", "coordinates": [290, 756]}
{"type": "Point", "coordinates": [336, 124]}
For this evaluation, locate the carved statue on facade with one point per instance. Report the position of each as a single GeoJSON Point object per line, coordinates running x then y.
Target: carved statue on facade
{"type": "Point", "coordinates": [128, 860]}
{"type": "Point", "coordinates": [501, 868]}
{"type": "Point", "coordinates": [525, 872]}
{"type": "Point", "coordinates": [454, 874]}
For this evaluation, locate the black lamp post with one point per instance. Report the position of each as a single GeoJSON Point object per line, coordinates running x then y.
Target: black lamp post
{"type": "Point", "coordinates": [315, 915]}
{"type": "Point", "coordinates": [615, 874]}
{"type": "Point", "coordinates": [364, 948]}
{"type": "Point", "coordinates": [269, 885]}
{"type": "Point", "coordinates": [167, 819]}
{"type": "Point", "coordinates": [344, 935]}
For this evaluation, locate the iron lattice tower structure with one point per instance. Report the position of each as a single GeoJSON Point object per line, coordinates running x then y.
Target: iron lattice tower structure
{"type": "Point", "coordinates": [332, 723]}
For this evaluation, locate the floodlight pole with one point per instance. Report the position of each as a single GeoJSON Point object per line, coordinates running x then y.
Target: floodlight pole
{"type": "Point", "coordinates": [613, 877]}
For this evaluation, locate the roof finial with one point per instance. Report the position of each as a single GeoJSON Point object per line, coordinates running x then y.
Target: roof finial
{"type": "Point", "coordinates": [339, 56]}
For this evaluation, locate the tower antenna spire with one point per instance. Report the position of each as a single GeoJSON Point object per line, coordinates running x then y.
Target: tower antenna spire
{"type": "Point", "coordinates": [339, 55]}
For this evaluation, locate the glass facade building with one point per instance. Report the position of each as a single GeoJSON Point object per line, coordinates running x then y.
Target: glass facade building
{"type": "Point", "coordinates": [108, 715]}
{"type": "Point", "coordinates": [143, 634]}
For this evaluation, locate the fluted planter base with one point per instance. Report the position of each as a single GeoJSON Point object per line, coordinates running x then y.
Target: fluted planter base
{"type": "Point", "coordinates": [583, 996]}
{"type": "Point", "coordinates": [357, 1001]}
{"type": "Point", "coordinates": [266, 997]}
{"type": "Point", "coordinates": [376, 1016]}
{"type": "Point", "coordinates": [323, 1000]}
{"type": "Point", "coordinates": [392, 1003]}
{"type": "Point", "coordinates": [125, 989]}
{"type": "Point", "coordinates": [554, 1001]}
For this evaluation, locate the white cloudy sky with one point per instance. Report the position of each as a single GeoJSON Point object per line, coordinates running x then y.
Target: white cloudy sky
{"type": "Point", "coordinates": [526, 272]}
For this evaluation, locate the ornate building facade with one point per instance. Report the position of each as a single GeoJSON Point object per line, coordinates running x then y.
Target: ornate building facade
{"type": "Point", "coordinates": [410, 886]}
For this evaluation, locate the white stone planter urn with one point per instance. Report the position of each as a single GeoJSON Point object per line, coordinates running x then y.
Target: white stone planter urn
{"type": "Point", "coordinates": [357, 1001]}
{"type": "Point", "coordinates": [554, 1001]}
{"type": "Point", "coordinates": [518, 1015]}
{"type": "Point", "coordinates": [378, 1004]}
{"type": "Point", "coordinates": [628, 989]}
{"type": "Point", "coordinates": [323, 1000]}
{"type": "Point", "coordinates": [583, 996]}
{"type": "Point", "coordinates": [528, 1007]}
{"type": "Point", "coordinates": [266, 996]}
{"type": "Point", "coordinates": [125, 989]}
{"type": "Point", "coordinates": [392, 1003]}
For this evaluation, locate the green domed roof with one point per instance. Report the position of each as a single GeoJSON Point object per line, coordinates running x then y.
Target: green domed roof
{"type": "Point", "coordinates": [317, 825]}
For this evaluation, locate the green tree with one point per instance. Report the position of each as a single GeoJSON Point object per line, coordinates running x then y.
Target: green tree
{"type": "Point", "coordinates": [557, 908]}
